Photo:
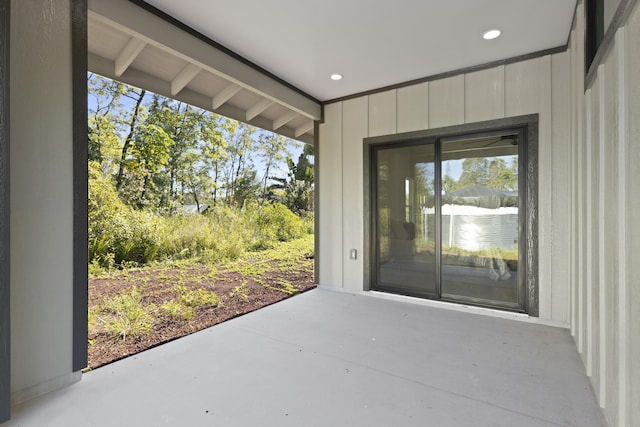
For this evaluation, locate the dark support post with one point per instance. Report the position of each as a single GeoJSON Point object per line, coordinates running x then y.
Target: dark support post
{"type": "Point", "coordinates": [316, 203]}
{"type": "Point", "coordinates": [80, 186]}
{"type": "Point", "coordinates": [5, 303]}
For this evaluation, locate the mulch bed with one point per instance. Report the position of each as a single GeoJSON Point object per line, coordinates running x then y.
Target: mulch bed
{"type": "Point", "coordinates": [157, 286]}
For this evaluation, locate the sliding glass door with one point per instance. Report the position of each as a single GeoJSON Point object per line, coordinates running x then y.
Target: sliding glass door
{"type": "Point", "coordinates": [447, 219]}
{"type": "Point", "coordinates": [406, 247]}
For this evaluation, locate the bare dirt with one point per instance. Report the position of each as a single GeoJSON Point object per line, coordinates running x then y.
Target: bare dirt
{"type": "Point", "coordinates": [238, 293]}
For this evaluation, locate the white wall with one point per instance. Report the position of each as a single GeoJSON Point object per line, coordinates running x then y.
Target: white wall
{"type": "Point", "coordinates": [535, 86]}
{"type": "Point", "coordinates": [41, 196]}
{"type": "Point", "coordinates": [605, 226]}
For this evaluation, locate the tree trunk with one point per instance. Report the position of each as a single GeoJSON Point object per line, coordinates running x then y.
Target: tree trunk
{"type": "Point", "coordinates": [127, 141]}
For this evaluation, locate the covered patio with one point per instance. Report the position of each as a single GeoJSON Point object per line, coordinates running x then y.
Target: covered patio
{"type": "Point", "coordinates": [332, 358]}
{"type": "Point", "coordinates": [565, 74]}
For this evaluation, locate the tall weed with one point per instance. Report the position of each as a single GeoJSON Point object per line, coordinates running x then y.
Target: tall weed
{"type": "Point", "coordinates": [121, 236]}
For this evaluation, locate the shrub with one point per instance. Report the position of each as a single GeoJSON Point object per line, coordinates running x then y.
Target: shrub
{"type": "Point", "coordinates": [277, 223]}
{"type": "Point", "coordinates": [121, 236]}
{"type": "Point", "coordinates": [118, 233]}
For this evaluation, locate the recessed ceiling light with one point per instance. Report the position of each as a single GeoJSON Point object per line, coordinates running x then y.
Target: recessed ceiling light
{"type": "Point", "coordinates": [336, 77]}
{"type": "Point", "coordinates": [491, 34]}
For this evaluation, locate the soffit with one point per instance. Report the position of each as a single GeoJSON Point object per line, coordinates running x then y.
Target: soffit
{"type": "Point", "coordinates": [373, 43]}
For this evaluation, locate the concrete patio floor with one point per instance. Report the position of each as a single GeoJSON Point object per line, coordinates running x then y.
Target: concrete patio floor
{"type": "Point", "coordinates": [329, 358]}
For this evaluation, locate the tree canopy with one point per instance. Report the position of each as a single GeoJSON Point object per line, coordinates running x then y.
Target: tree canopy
{"type": "Point", "coordinates": [161, 154]}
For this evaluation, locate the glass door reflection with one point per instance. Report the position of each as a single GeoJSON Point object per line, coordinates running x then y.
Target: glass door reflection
{"type": "Point", "coordinates": [406, 224]}
{"type": "Point", "coordinates": [480, 224]}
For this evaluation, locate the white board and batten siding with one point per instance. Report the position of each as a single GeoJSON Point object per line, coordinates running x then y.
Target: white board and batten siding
{"type": "Point", "coordinates": [604, 225]}
{"type": "Point", "coordinates": [495, 93]}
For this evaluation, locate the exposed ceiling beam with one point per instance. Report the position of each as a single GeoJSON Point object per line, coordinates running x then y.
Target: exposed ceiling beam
{"type": "Point", "coordinates": [183, 78]}
{"type": "Point", "coordinates": [142, 79]}
{"type": "Point", "coordinates": [258, 108]}
{"type": "Point", "coordinates": [301, 130]}
{"type": "Point", "coordinates": [284, 119]}
{"type": "Point", "coordinates": [225, 95]}
{"type": "Point", "coordinates": [128, 55]}
{"type": "Point", "coordinates": [131, 19]}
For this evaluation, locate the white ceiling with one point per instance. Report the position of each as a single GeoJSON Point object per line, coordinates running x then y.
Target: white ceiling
{"type": "Point", "coordinates": [373, 43]}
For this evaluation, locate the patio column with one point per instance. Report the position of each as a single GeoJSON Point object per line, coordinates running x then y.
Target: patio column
{"type": "Point", "coordinates": [46, 200]}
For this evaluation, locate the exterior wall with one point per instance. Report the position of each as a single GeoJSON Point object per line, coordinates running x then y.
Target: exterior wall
{"type": "Point", "coordinates": [41, 197]}
{"type": "Point", "coordinates": [605, 230]}
{"type": "Point", "coordinates": [535, 86]}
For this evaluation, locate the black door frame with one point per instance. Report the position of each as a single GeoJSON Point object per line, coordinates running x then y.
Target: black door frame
{"type": "Point", "coordinates": [528, 176]}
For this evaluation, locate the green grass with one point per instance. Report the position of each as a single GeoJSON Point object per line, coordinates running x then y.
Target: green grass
{"type": "Point", "coordinates": [175, 310]}
{"type": "Point", "coordinates": [196, 297]}
{"type": "Point", "coordinates": [240, 291]}
{"type": "Point", "coordinates": [126, 315]}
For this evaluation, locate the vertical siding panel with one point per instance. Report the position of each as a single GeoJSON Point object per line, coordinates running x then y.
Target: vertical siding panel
{"type": "Point", "coordinates": [621, 306]}
{"type": "Point", "coordinates": [599, 306]}
{"type": "Point", "coordinates": [330, 189]}
{"type": "Point", "coordinates": [581, 187]}
{"type": "Point", "coordinates": [446, 102]}
{"type": "Point", "coordinates": [561, 154]}
{"type": "Point", "coordinates": [354, 118]}
{"type": "Point", "coordinates": [525, 86]}
{"type": "Point", "coordinates": [587, 240]}
{"type": "Point", "coordinates": [576, 97]}
{"type": "Point", "coordinates": [413, 108]}
{"type": "Point", "coordinates": [573, 214]}
{"type": "Point", "coordinates": [632, 210]}
{"type": "Point", "coordinates": [528, 90]}
{"type": "Point", "coordinates": [609, 235]}
{"type": "Point", "coordinates": [382, 113]}
{"type": "Point", "coordinates": [594, 234]}
{"type": "Point", "coordinates": [484, 95]}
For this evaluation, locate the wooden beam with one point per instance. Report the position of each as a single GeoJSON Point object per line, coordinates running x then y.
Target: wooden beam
{"type": "Point", "coordinates": [303, 129]}
{"type": "Point", "coordinates": [284, 119]}
{"type": "Point", "coordinates": [225, 95]}
{"type": "Point", "coordinates": [258, 108]}
{"type": "Point", "coordinates": [155, 84]}
{"type": "Point", "coordinates": [183, 78]}
{"type": "Point", "coordinates": [128, 55]}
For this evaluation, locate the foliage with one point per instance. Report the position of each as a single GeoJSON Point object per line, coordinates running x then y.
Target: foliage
{"type": "Point", "coordinates": [127, 316]}
{"type": "Point", "coordinates": [276, 222]}
{"type": "Point", "coordinates": [492, 172]}
{"type": "Point", "coordinates": [164, 154]}
{"type": "Point", "coordinates": [150, 156]}
{"type": "Point", "coordinates": [119, 234]}
{"type": "Point", "coordinates": [175, 310]}
{"type": "Point", "coordinates": [295, 191]}
{"type": "Point", "coordinates": [197, 297]}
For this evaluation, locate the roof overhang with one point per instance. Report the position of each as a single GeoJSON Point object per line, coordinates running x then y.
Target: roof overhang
{"type": "Point", "coordinates": [132, 45]}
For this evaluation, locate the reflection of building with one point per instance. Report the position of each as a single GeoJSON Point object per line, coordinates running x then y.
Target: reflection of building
{"type": "Point", "coordinates": [477, 218]}
{"type": "Point", "coordinates": [475, 228]}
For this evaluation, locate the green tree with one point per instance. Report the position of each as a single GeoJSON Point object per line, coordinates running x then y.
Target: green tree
{"type": "Point", "coordinates": [240, 169]}
{"type": "Point", "coordinates": [274, 149]}
{"type": "Point", "coordinates": [296, 190]}
{"type": "Point", "coordinates": [133, 120]}
{"type": "Point", "coordinates": [492, 172]}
